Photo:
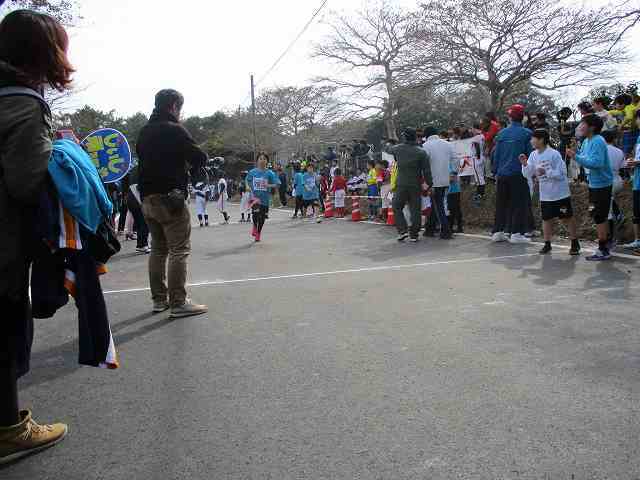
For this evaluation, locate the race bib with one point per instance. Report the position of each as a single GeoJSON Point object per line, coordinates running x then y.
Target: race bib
{"type": "Point", "coordinates": [260, 184]}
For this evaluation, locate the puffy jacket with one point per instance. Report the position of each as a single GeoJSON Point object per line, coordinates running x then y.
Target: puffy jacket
{"type": "Point", "coordinates": [25, 148]}
{"type": "Point", "coordinates": [511, 142]}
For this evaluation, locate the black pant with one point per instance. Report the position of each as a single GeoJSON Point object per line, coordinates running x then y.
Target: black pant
{"type": "Point", "coordinates": [438, 213]}
{"type": "Point", "coordinates": [260, 213]}
{"type": "Point", "coordinates": [123, 216]}
{"type": "Point", "coordinates": [299, 205]}
{"type": "Point", "coordinates": [512, 201]}
{"type": "Point", "coordinates": [401, 197]}
{"type": "Point", "coordinates": [16, 338]}
{"type": "Point", "coordinates": [142, 229]}
{"type": "Point", "coordinates": [283, 197]}
{"type": "Point", "coordinates": [455, 210]}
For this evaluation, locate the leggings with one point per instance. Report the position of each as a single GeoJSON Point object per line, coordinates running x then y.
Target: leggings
{"type": "Point", "coordinates": [299, 204]}
{"type": "Point", "coordinates": [260, 215]}
{"type": "Point", "coordinates": [455, 211]}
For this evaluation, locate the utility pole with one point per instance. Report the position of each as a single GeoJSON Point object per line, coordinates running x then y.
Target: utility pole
{"type": "Point", "coordinates": [253, 121]}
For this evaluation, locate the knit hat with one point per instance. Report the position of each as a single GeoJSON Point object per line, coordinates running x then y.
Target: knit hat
{"type": "Point", "coordinates": [516, 112]}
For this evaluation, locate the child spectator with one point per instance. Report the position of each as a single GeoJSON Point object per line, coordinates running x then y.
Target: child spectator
{"type": "Point", "coordinates": [600, 106]}
{"type": "Point", "coordinates": [245, 200]}
{"type": "Point", "coordinates": [626, 110]}
{"type": "Point", "coordinates": [372, 189]}
{"type": "Point", "coordinates": [635, 165]}
{"type": "Point", "coordinates": [311, 192]}
{"type": "Point", "coordinates": [594, 155]}
{"type": "Point", "coordinates": [298, 190]}
{"type": "Point", "coordinates": [385, 188]}
{"type": "Point", "coordinates": [453, 200]}
{"type": "Point", "coordinates": [339, 190]}
{"type": "Point", "coordinates": [616, 158]}
{"type": "Point", "coordinates": [547, 165]}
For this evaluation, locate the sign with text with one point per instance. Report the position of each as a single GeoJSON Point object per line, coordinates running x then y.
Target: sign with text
{"type": "Point", "coordinates": [110, 152]}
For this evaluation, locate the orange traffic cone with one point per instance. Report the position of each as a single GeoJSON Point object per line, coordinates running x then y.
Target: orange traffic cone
{"type": "Point", "coordinates": [328, 208]}
{"type": "Point", "coordinates": [355, 210]}
{"type": "Point", "coordinates": [391, 219]}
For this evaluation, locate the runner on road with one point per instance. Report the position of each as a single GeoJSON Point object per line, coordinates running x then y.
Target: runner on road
{"type": "Point", "coordinates": [261, 180]}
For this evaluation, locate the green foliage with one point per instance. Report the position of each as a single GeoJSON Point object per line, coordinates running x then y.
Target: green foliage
{"type": "Point", "coordinates": [609, 92]}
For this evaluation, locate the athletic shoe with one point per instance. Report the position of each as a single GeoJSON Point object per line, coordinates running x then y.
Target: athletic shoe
{"type": "Point", "coordinates": [188, 309]}
{"type": "Point", "coordinates": [633, 245]}
{"type": "Point", "coordinates": [519, 238]}
{"type": "Point", "coordinates": [414, 239]}
{"type": "Point", "coordinates": [599, 256]}
{"type": "Point", "coordinates": [160, 306]}
{"type": "Point", "coordinates": [499, 237]}
{"type": "Point", "coordinates": [257, 236]}
{"type": "Point", "coordinates": [145, 250]}
{"type": "Point", "coordinates": [319, 220]}
{"type": "Point", "coordinates": [532, 234]}
{"type": "Point", "coordinates": [544, 250]}
{"type": "Point", "coordinates": [402, 237]}
{"type": "Point", "coordinates": [201, 225]}
{"type": "Point", "coordinates": [28, 437]}
{"type": "Point", "coordinates": [254, 232]}
{"type": "Point", "coordinates": [575, 250]}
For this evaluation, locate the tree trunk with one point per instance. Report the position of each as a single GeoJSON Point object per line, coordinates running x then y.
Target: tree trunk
{"type": "Point", "coordinates": [390, 105]}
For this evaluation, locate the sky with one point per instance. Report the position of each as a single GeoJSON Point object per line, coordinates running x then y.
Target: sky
{"type": "Point", "coordinates": [126, 51]}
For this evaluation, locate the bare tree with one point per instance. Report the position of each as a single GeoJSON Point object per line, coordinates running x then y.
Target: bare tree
{"type": "Point", "coordinates": [370, 49]}
{"type": "Point", "coordinates": [500, 45]}
{"type": "Point", "coordinates": [66, 11]}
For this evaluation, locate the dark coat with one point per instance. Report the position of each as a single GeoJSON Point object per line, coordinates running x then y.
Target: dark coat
{"type": "Point", "coordinates": [25, 149]}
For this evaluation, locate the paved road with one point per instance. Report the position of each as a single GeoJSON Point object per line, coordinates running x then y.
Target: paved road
{"type": "Point", "coordinates": [332, 352]}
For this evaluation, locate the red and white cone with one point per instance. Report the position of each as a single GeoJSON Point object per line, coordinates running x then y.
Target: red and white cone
{"type": "Point", "coordinates": [356, 216]}
{"type": "Point", "coordinates": [391, 218]}
{"type": "Point", "coordinates": [328, 208]}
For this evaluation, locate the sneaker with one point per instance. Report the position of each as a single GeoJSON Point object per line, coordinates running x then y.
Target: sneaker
{"type": "Point", "coordinates": [499, 237]}
{"type": "Point", "coordinates": [254, 231]}
{"type": "Point", "coordinates": [201, 225]}
{"type": "Point", "coordinates": [402, 237]}
{"type": "Point", "coordinates": [575, 250]}
{"type": "Point", "coordinates": [28, 437]}
{"type": "Point", "coordinates": [599, 256]}
{"type": "Point", "coordinates": [160, 306]}
{"type": "Point", "coordinates": [532, 234]}
{"type": "Point", "coordinates": [188, 309]}
{"type": "Point", "coordinates": [414, 239]}
{"type": "Point", "coordinates": [519, 238]}
{"type": "Point", "coordinates": [319, 220]}
{"type": "Point", "coordinates": [633, 245]}
{"type": "Point", "coordinates": [545, 250]}
{"type": "Point", "coordinates": [257, 236]}
{"type": "Point", "coordinates": [145, 250]}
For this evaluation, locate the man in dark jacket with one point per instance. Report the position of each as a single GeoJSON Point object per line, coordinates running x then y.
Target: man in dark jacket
{"type": "Point", "coordinates": [512, 195]}
{"type": "Point", "coordinates": [282, 189]}
{"type": "Point", "coordinates": [413, 176]}
{"type": "Point", "coordinates": [167, 153]}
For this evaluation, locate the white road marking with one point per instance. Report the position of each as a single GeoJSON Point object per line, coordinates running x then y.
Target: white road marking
{"type": "Point", "coordinates": [334, 272]}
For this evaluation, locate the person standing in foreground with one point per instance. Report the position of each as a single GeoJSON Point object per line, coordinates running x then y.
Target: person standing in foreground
{"type": "Point", "coordinates": [167, 153]}
{"type": "Point", "coordinates": [512, 195]}
{"type": "Point", "coordinates": [594, 155]}
{"type": "Point", "coordinates": [441, 156]}
{"type": "Point", "coordinates": [33, 54]}
{"type": "Point", "coordinates": [261, 180]}
{"type": "Point", "coordinates": [555, 198]}
{"type": "Point", "coordinates": [412, 164]}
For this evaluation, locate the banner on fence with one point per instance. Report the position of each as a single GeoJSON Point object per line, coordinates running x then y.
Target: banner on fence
{"type": "Point", "coordinates": [464, 156]}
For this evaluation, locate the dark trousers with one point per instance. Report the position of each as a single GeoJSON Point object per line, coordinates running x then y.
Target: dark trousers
{"type": "Point", "coordinates": [260, 214]}
{"type": "Point", "coordinates": [299, 205]}
{"type": "Point", "coordinates": [437, 199]}
{"type": "Point", "coordinates": [283, 197]}
{"type": "Point", "coordinates": [455, 210]}
{"type": "Point", "coordinates": [123, 216]}
{"type": "Point", "coordinates": [512, 205]}
{"type": "Point", "coordinates": [16, 338]}
{"type": "Point", "coordinates": [401, 197]}
{"type": "Point", "coordinates": [142, 229]}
